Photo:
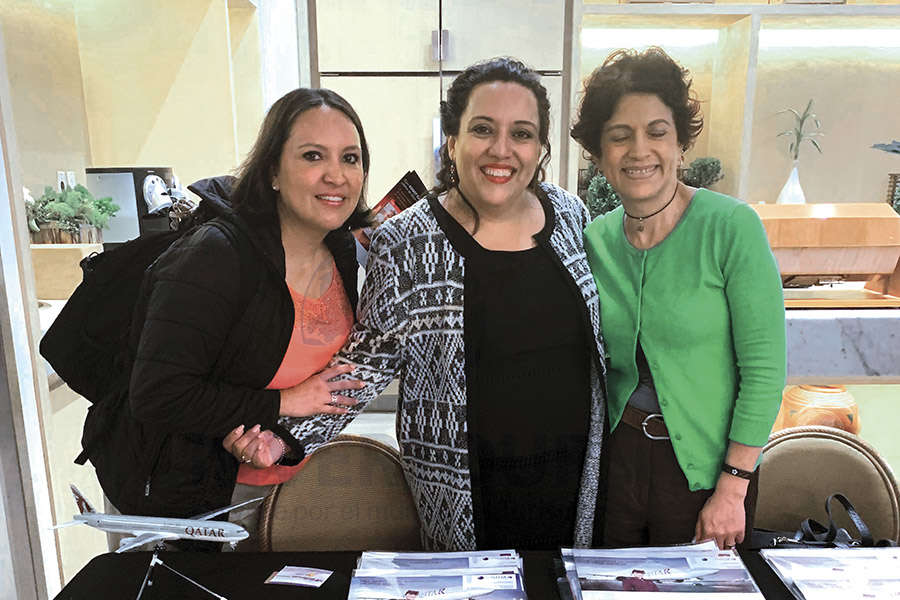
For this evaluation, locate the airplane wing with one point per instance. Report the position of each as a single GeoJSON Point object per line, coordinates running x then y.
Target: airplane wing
{"type": "Point", "coordinates": [145, 538]}
{"type": "Point", "coordinates": [219, 511]}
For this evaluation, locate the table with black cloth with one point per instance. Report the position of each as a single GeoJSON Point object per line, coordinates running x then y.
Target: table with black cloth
{"type": "Point", "coordinates": [240, 575]}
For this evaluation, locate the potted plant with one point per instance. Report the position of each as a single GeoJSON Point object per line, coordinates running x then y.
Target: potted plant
{"type": "Point", "coordinates": [703, 172]}
{"type": "Point", "coordinates": [71, 216]}
{"type": "Point", "coordinates": [600, 197]}
{"type": "Point", "coordinates": [792, 193]}
{"type": "Point", "coordinates": [893, 195]}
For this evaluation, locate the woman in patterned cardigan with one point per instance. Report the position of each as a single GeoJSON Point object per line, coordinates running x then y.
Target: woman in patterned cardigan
{"type": "Point", "coordinates": [480, 297]}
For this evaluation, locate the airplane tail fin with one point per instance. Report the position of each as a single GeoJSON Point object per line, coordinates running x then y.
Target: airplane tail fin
{"type": "Point", "coordinates": [83, 505]}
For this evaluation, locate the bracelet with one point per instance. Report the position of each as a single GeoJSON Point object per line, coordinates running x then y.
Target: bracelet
{"type": "Point", "coordinates": [732, 470]}
{"type": "Point", "coordinates": [284, 450]}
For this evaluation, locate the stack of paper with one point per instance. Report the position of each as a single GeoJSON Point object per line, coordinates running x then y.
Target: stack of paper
{"type": "Point", "coordinates": [487, 575]}
{"type": "Point", "coordinates": [683, 570]}
{"type": "Point", "coordinates": [837, 573]}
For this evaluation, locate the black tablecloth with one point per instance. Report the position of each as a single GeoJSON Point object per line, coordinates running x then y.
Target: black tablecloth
{"type": "Point", "coordinates": [240, 575]}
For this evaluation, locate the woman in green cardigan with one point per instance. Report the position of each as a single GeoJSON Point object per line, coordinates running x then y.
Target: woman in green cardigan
{"type": "Point", "coordinates": [692, 313]}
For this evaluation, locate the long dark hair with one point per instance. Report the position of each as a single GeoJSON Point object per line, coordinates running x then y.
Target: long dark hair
{"type": "Point", "coordinates": [253, 195]}
{"type": "Point", "coordinates": [495, 69]}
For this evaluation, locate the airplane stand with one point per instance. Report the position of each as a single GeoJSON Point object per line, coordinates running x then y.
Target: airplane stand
{"type": "Point", "coordinates": [156, 560]}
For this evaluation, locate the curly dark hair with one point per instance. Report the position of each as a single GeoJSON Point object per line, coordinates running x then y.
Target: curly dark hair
{"type": "Point", "coordinates": [253, 195]}
{"type": "Point", "coordinates": [502, 68]}
{"type": "Point", "coordinates": [630, 72]}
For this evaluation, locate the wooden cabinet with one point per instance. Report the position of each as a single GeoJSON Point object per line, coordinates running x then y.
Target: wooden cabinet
{"type": "Point", "coordinates": [401, 35]}
{"type": "Point", "coordinates": [530, 31]}
{"type": "Point", "coordinates": [376, 35]}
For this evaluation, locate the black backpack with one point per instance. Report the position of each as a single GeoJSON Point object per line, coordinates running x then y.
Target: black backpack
{"type": "Point", "coordinates": [88, 343]}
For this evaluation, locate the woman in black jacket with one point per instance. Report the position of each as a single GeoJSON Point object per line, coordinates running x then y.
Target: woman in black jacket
{"type": "Point", "coordinates": [236, 329]}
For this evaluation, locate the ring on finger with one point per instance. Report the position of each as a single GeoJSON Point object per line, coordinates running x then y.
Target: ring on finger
{"type": "Point", "coordinates": [334, 399]}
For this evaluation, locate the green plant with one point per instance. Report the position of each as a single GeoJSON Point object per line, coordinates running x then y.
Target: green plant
{"type": "Point", "coordinates": [703, 172]}
{"type": "Point", "coordinates": [894, 148]}
{"type": "Point", "coordinates": [601, 197]}
{"type": "Point", "coordinates": [69, 209]}
{"type": "Point", "coordinates": [798, 133]}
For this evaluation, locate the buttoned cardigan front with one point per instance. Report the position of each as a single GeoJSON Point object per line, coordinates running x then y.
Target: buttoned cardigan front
{"type": "Point", "coordinates": [707, 306]}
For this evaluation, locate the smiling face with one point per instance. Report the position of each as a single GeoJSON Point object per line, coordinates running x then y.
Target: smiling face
{"type": "Point", "coordinates": [320, 173]}
{"type": "Point", "coordinates": [497, 148]}
{"type": "Point", "coordinates": [639, 149]}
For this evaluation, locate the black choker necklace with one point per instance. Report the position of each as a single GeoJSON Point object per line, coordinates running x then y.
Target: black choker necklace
{"type": "Point", "coordinates": [640, 220]}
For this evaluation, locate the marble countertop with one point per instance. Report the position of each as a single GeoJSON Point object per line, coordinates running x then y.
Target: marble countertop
{"type": "Point", "coordinates": [846, 346]}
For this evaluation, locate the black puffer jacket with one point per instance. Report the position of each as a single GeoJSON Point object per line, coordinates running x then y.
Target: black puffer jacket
{"type": "Point", "coordinates": [204, 349]}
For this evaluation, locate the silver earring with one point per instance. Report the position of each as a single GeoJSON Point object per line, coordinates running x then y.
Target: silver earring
{"type": "Point", "coordinates": [275, 186]}
{"type": "Point", "coordinates": [454, 176]}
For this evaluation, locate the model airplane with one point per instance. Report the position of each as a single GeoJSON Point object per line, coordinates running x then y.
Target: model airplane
{"type": "Point", "coordinates": [148, 530]}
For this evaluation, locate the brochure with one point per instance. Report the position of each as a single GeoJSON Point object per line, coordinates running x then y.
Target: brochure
{"type": "Point", "coordinates": [404, 194]}
{"type": "Point", "coordinates": [832, 573]}
{"type": "Point", "coordinates": [499, 586]}
{"type": "Point", "coordinates": [502, 560]}
{"type": "Point", "coordinates": [485, 575]}
{"type": "Point", "coordinates": [681, 570]}
{"type": "Point", "coordinates": [305, 576]}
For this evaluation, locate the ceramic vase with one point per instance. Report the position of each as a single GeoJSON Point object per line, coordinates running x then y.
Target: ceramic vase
{"type": "Point", "coordinates": [792, 193]}
{"type": "Point", "coordinates": [825, 405]}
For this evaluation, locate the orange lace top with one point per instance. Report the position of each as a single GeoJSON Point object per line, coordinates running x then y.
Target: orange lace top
{"type": "Point", "coordinates": [321, 326]}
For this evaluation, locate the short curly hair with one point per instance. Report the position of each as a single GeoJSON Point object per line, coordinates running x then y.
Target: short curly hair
{"type": "Point", "coordinates": [630, 72]}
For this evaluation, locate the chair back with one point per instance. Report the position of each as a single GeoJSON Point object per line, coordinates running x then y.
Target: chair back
{"type": "Point", "coordinates": [802, 466]}
{"type": "Point", "coordinates": [350, 495]}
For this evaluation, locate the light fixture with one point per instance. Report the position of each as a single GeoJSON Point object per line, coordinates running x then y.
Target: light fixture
{"type": "Point", "coordinates": [605, 38]}
{"type": "Point", "coordinates": [829, 38]}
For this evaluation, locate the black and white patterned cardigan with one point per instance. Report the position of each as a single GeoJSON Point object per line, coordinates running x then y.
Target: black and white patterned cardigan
{"type": "Point", "coordinates": [411, 324]}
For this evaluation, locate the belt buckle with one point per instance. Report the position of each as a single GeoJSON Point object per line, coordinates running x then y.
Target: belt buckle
{"type": "Point", "coordinates": [647, 433]}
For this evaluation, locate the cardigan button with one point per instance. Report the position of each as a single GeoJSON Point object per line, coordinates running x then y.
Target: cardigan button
{"type": "Point", "coordinates": [690, 465]}
{"type": "Point", "coordinates": [677, 436]}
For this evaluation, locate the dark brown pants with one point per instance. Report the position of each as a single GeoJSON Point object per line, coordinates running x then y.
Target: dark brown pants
{"type": "Point", "coordinates": [648, 501]}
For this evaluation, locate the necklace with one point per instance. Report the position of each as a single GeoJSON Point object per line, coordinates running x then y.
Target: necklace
{"type": "Point", "coordinates": [640, 220]}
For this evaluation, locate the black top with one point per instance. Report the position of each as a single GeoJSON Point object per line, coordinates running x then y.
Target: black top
{"type": "Point", "coordinates": [528, 396]}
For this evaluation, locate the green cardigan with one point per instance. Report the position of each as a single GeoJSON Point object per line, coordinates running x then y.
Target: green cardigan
{"type": "Point", "coordinates": [707, 305]}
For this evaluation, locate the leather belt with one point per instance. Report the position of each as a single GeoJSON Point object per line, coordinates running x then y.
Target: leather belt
{"type": "Point", "coordinates": [651, 424]}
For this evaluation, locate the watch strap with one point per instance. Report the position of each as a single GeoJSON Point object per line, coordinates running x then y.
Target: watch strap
{"type": "Point", "coordinates": [732, 470]}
